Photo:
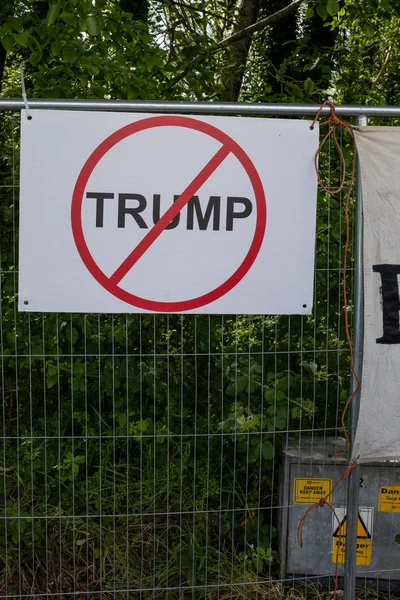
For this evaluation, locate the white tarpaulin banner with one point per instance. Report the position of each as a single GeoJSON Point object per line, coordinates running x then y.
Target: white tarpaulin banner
{"type": "Point", "coordinates": [166, 213]}
{"type": "Point", "coordinates": [378, 432]}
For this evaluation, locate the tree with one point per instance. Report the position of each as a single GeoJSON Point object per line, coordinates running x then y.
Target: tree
{"type": "Point", "coordinates": [109, 48]}
{"type": "Point", "coordinates": [250, 49]}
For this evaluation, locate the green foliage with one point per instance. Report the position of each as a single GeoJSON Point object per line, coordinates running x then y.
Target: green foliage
{"type": "Point", "coordinates": [83, 48]}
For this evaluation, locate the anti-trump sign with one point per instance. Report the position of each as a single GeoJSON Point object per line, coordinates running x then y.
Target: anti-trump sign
{"type": "Point", "coordinates": [166, 213]}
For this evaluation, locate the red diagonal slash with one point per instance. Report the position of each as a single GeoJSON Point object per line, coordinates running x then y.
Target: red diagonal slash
{"type": "Point", "coordinates": [170, 214]}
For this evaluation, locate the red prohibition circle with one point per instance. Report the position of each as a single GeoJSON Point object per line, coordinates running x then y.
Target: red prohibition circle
{"type": "Point", "coordinates": [92, 162]}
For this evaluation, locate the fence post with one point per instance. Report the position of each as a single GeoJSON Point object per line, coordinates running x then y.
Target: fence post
{"type": "Point", "coordinates": [354, 477]}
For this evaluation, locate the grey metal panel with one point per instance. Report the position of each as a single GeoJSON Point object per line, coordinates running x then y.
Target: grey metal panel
{"type": "Point", "coordinates": [315, 557]}
{"type": "Point", "coordinates": [385, 562]}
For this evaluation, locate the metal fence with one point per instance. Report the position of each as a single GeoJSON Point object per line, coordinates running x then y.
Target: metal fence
{"type": "Point", "coordinates": [141, 454]}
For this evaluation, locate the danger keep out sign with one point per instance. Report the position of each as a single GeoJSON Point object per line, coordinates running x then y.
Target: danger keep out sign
{"type": "Point", "coordinates": [166, 213]}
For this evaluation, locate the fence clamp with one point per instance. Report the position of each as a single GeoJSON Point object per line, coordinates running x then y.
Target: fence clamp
{"type": "Point", "coordinates": [28, 112]}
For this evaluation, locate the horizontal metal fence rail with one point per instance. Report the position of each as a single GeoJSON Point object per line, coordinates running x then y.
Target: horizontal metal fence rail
{"type": "Point", "coordinates": [214, 108]}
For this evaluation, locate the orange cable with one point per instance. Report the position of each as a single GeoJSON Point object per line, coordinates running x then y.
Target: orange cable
{"type": "Point", "coordinates": [334, 123]}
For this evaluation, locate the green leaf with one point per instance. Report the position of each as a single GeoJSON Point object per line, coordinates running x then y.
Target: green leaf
{"type": "Point", "coordinates": [309, 86]}
{"type": "Point", "coordinates": [332, 7]}
{"type": "Point", "coordinates": [269, 395]}
{"type": "Point", "coordinates": [121, 418]}
{"type": "Point", "coordinates": [267, 450]}
{"type": "Point", "coordinates": [52, 14]}
{"type": "Point", "coordinates": [322, 12]}
{"type": "Point", "coordinates": [230, 390]}
{"type": "Point", "coordinates": [258, 564]}
{"type": "Point", "coordinates": [71, 334]}
{"type": "Point", "coordinates": [85, 62]}
{"type": "Point", "coordinates": [21, 38]}
{"type": "Point", "coordinates": [70, 54]}
{"type": "Point", "coordinates": [309, 13]}
{"type": "Point", "coordinates": [149, 61]}
{"type": "Point", "coordinates": [273, 395]}
{"type": "Point", "coordinates": [159, 62]}
{"type": "Point", "coordinates": [225, 527]}
{"type": "Point", "coordinates": [261, 552]}
{"type": "Point", "coordinates": [242, 383]}
{"type": "Point", "coordinates": [369, 32]}
{"type": "Point", "coordinates": [37, 350]}
{"type": "Point", "coordinates": [33, 44]}
{"type": "Point", "coordinates": [8, 42]}
{"type": "Point", "coordinates": [15, 536]}
{"type": "Point", "coordinates": [280, 417]}
{"type": "Point", "coordinates": [68, 18]}
{"type": "Point", "coordinates": [16, 24]}
{"type": "Point", "coordinates": [51, 380]}
{"type": "Point", "coordinates": [56, 47]}
{"type": "Point", "coordinates": [132, 95]}
{"type": "Point", "coordinates": [93, 25]}
{"type": "Point", "coordinates": [22, 524]}
{"type": "Point", "coordinates": [35, 57]}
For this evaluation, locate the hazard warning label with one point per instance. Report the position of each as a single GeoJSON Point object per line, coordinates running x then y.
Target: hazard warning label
{"type": "Point", "coordinates": [364, 535]}
{"type": "Point", "coordinates": [389, 498]}
{"type": "Point", "coordinates": [308, 491]}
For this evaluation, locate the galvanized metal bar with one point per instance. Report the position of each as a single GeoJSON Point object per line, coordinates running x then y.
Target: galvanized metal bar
{"type": "Point", "coordinates": [353, 484]}
{"type": "Point", "coordinates": [215, 108]}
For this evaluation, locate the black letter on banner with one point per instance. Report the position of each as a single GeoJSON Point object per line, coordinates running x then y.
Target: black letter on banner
{"type": "Point", "coordinates": [123, 210]}
{"type": "Point", "coordinates": [214, 205]}
{"type": "Point", "coordinates": [390, 303]}
{"type": "Point", "coordinates": [231, 214]}
{"type": "Point", "coordinates": [156, 212]}
{"type": "Point", "coordinates": [100, 197]}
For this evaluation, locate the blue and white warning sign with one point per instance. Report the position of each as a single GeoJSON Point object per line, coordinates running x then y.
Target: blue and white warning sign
{"type": "Point", "coordinates": [166, 213]}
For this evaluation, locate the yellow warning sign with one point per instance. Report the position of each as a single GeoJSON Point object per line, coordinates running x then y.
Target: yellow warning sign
{"type": "Point", "coordinates": [362, 531]}
{"type": "Point", "coordinates": [364, 541]}
{"type": "Point", "coordinates": [363, 553]}
{"type": "Point", "coordinates": [308, 491]}
{"type": "Point", "coordinates": [389, 498]}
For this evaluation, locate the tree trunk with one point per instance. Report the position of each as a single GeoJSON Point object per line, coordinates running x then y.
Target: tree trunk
{"type": "Point", "coordinates": [232, 75]}
{"type": "Point", "coordinates": [3, 55]}
{"type": "Point", "coordinates": [138, 8]}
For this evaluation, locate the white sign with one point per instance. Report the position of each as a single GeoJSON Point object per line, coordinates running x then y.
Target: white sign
{"type": "Point", "coordinates": [166, 213]}
{"type": "Point", "coordinates": [378, 431]}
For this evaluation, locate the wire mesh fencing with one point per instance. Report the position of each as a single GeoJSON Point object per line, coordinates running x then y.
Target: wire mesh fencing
{"type": "Point", "coordinates": [142, 455]}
